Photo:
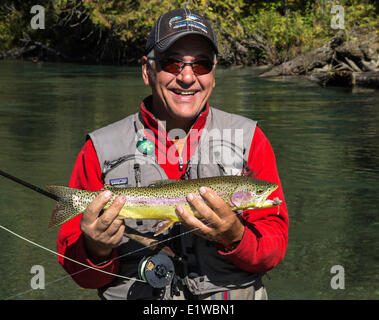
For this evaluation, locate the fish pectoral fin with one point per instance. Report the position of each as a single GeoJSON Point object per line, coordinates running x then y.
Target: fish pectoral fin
{"type": "Point", "coordinates": [162, 226]}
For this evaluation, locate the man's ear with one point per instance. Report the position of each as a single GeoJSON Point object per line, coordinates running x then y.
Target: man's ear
{"type": "Point", "coordinates": [146, 70]}
{"type": "Point", "coordinates": [214, 78]}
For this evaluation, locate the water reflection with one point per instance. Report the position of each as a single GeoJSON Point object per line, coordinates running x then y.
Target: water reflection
{"type": "Point", "coordinates": [326, 143]}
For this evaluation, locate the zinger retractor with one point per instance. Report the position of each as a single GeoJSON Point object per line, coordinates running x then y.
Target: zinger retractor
{"type": "Point", "coordinates": [157, 270]}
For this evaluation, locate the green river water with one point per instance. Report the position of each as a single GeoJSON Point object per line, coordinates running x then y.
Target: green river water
{"type": "Point", "coordinates": [326, 142]}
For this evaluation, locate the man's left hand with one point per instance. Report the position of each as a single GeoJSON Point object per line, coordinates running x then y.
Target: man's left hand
{"type": "Point", "coordinates": [219, 223]}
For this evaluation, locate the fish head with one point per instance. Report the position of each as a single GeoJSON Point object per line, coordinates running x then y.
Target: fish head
{"type": "Point", "coordinates": [253, 194]}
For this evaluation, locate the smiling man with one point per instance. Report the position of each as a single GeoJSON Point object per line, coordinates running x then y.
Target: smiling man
{"type": "Point", "coordinates": [180, 92]}
{"type": "Point", "coordinates": [177, 135]}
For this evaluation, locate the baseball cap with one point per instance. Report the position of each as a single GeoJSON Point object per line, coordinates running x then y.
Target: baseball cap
{"type": "Point", "coordinates": [175, 24]}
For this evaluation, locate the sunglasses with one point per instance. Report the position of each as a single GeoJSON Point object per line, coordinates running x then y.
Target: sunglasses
{"type": "Point", "coordinates": [174, 66]}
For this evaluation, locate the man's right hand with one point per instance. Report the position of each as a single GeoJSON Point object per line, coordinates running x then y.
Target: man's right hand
{"type": "Point", "coordinates": [103, 232]}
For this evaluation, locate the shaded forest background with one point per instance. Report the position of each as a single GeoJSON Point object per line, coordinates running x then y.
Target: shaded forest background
{"type": "Point", "coordinates": [115, 31]}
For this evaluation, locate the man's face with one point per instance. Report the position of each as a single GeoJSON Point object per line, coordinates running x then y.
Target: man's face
{"type": "Point", "coordinates": [178, 99]}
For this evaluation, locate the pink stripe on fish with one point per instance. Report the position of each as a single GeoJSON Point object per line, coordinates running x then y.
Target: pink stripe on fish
{"type": "Point", "coordinates": [154, 201]}
{"type": "Point", "coordinates": [158, 200]}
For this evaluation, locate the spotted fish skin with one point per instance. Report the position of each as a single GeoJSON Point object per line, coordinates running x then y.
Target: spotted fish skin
{"type": "Point", "coordinates": [159, 200]}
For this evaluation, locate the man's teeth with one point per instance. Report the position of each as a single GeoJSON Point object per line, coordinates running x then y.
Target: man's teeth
{"type": "Point", "coordinates": [185, 93]}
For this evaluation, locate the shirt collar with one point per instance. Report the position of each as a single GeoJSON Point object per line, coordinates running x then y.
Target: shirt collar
{"type": "Point", "coordinates": [151, 122]}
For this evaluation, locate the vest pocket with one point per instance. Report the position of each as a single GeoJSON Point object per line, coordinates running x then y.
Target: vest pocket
{"type": "Point", "coordinates": [132, 171]}
{"type": "Point", "coordinates": [135, 171]}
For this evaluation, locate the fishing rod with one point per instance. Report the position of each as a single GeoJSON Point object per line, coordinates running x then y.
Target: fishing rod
{"type": "Point", "coordinates": [31, 186]}
{"type": "Point", "coordinates": [131, 233]}
{"type": "Point", "coordinates": [157, 270]}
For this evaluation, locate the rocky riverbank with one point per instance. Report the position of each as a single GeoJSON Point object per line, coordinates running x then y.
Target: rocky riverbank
{"type": "Point", "coordinates": [344, 61]}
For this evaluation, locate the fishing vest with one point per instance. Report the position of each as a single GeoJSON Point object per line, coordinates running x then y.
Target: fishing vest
{"type": "Point", "coordinates": [223, 149]}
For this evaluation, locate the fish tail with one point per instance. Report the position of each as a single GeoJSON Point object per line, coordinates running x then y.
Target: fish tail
{"type": "Point", "coordinates": [64, 209]}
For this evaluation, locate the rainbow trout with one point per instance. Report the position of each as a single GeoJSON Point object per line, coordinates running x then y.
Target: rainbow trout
{"type": "Point", "coordinates": [158, 200]}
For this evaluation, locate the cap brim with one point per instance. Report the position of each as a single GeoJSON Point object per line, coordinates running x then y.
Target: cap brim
{"type": "Point", "coordinates": [163, 45]}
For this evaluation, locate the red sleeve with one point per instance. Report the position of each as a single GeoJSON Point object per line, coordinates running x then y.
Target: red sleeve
{"type": "Point", "coordinates": [266, 230]}
{"type": "Point", "coordinates": [86, 175]}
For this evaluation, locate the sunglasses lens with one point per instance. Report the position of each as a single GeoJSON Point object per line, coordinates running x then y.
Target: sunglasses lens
{"type": "Point", "coordinates": [202, 67]}
{"type": "Point", "coordinates": [171, 66]}
{"type": "Point", "coordinates": [174, 66]}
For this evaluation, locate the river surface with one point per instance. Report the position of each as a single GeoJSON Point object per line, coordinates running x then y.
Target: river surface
{"type": "Point", "coordinates": [326, 142]}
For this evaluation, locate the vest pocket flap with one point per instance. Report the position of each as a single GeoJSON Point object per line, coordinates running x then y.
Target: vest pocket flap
{"type": "Point", "coordinates": [133, 173]}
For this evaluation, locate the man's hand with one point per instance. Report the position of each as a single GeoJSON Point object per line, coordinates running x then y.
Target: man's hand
{"type": "Point", "coordinates": [102, 233]}
{"type": "Point", "coordinates": [220, 223]}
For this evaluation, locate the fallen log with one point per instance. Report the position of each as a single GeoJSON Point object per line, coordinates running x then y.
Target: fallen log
{"type": "Point", "coordinates": [32, 45]}
{"type": "Point", "coordinates": [367, 79]}
{"type": "Point", "coordinates": [347, 78]}
{"type": "Point", "coordinates": [337, 63]}
{"type": "Point", "coordinates": [48, 49]}
{"type": "Point", "coordinates": [305, 63]}
{"type": "Point", "coordinates": [17, 52]}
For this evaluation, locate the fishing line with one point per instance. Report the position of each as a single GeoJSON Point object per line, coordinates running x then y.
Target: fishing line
{"type": "Point", "coordinates": [86, 266]}
{"type": "Point", "coordinates": [61, 255]}
{"type": "Point", "coordinates": [90, 267]}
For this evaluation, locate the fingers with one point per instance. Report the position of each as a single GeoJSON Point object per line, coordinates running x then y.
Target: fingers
{"type": "Point", "coordinates": [203, 209]}
{"type": "Point", "coordinates": [103, 232]}
{"type": "Point", "coordinates": [189, 219]}
{"type": "Point", "coordinates": [109, 216]}
{"type": "Point", "coordinates": [115, 232]}
{"type": "Point", "coordinates": [114, 228]}
{"type": "Point", "coordinates": [92, 211]}
{"type": "Point", "coordinates": [194, 224]}
{"type": "Point", "coordinates": [220, 222]}
{"type": "Point", "coordinates": [217, 204]}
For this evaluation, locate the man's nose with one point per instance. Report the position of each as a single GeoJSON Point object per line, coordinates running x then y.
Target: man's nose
{"type": "Point", "coordinates": [187, 75]}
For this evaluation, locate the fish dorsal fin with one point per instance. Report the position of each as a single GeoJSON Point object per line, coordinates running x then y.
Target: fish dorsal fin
{"type": "Point", "coordinates": [155, 183]}
{"type": "Point", "coordinates": [110, 188]}
{"type": "Point", "coordinates": [158, 183]}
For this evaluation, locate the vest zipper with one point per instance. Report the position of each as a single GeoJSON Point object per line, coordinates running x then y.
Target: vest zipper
{"type": "Point", "coordinates": [137, 174]}
{"type": "Point", "coordinates": [180, 163]}
{"type": "Point", "coordinates": [221, 168]}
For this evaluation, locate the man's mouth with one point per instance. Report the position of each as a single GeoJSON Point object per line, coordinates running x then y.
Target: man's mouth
{"type": "Point", "coordinates": [184, 92]}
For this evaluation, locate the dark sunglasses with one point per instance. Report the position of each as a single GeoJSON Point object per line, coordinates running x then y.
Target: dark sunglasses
{"type": "Point", "coordinates": [174, 66]}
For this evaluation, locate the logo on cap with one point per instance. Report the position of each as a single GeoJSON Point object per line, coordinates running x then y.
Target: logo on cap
{"type": "Point", "coordinates": [191, 20]}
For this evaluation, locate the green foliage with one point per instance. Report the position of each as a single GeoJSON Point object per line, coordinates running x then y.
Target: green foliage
{"type": "Point", "coordinates": [289, 28]}
{"type": "Point", "coordinates": [115, 31]}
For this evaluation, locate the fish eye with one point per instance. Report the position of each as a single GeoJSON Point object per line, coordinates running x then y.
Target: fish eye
{"type": "Point", "coordinates": [259, 190]}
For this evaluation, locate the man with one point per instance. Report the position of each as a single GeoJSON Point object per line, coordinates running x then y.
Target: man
{"type": "Point", "coordinates": [177, 135]}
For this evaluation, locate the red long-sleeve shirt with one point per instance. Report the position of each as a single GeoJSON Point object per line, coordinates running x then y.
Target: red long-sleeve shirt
{"type": "Point", "coordinates": [266, 230]}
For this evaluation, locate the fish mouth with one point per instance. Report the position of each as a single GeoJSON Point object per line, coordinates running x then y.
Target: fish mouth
{"type": "Point", "coordinates": [271, 203]}
{"type": "Point", "coordinates": [266, 204]}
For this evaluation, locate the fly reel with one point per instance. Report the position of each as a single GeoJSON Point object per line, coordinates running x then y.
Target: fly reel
{"type": "Point", "coordinates": [157, 270]}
